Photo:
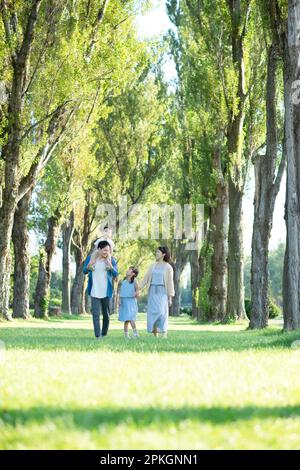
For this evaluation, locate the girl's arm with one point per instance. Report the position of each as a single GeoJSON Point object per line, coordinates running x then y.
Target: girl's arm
{"type": "Point", "coordinates": [118, 292]}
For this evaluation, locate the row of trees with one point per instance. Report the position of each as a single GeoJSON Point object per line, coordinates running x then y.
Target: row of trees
{"type": "Point", "coordinates": [237, 87]}
{"type": "Point", "coordinates": [63, 66]}
{"type": "Point", "coordinates": [86, 117]}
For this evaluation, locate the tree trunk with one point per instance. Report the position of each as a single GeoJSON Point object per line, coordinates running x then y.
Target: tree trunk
{"type": "Point", "coordinates": [80, 252]}
{"type": "Point", "coordinates": [267, 185]}
{"type": "Point", "coordinates": [42, 292]}
{"type": "Point", "coordinates": [77, 294]}
{"type": "Point", "coordinates": [195, 283]}
{"type": "Point", "coordinates": [291, 280]}
{"type": "Point", "coordinates": [67, 233]}
{"type": "Point", "coordinates": [180, 257]}
{"type": "Point", "coordinates": [198, 268]}
{"type": "Point", "coordinates": [235, 297]}
{"type": "Point", "coordinates": [20, 238]}
{"type": "Point", "coordinates": [237, 175]}
{"type": "Point", "coordinates": [176, 300]}
{"type": "Point", "coordinates": [10, 153]}
{"type": "Point", "coordinates": [5, 264]}
{"type": "Point", "coordinates": [219, 233]}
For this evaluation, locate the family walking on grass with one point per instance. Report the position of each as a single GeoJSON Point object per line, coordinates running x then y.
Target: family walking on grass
{"type": "Point", "coordinates": [101, 268]}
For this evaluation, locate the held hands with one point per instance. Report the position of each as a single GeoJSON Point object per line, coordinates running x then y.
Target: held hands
{"type": "Point", "coordinates": [170, 301]}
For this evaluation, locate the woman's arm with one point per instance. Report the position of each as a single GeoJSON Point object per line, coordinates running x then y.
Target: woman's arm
{"type": "Point", "coordinates": [137, 289]}
{"type": "Point", "coordinates": [170, 282]}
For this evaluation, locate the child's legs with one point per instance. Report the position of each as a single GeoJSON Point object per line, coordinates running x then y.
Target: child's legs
{"type": "Point", "coordinates": [133, 325]}
{"type": "Point", "coordinates": [126, 326]}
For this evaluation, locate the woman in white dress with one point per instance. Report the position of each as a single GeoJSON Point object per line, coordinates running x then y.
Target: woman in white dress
{"type": "Point", "coordinates": [160, 283]}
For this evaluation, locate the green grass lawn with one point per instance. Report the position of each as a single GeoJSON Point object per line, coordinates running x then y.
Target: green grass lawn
{"type": "Point", "coordinates": [205, 387]}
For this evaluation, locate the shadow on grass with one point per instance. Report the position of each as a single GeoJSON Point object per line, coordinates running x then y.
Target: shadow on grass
{"type": "Point", "coordinates": [179, 341]}
{"type": "Point", "coordinates": [89, 418]}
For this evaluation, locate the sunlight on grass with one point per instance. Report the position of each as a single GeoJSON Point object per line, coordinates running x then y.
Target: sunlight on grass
{"type": "Point", "coordinates": [205, 387]}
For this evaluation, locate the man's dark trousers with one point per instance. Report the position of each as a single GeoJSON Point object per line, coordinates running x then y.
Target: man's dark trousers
{"type": "Point", "coordinates": [97, 305]}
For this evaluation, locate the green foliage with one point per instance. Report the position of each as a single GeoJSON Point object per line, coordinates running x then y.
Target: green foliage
{"type": "Point", "coordinates": [276, 258]}
{"type": "Point", "coordinates": [274, 309]}
{"type": "Point", "coordinates": [186, 311]}
{"type": "Point", "coordinates": [44, 305]}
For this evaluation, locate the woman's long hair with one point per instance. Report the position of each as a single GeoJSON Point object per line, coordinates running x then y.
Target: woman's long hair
{"type": "Point", "coordinates": [165, 250]}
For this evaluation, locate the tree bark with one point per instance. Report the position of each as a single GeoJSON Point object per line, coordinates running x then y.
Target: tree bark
{"type": "Point", "coordinates": [67, 233]}
{"type": "Point", "coordinates": [42, 292]}
{"type": "Point", "coordinates": [80, 247]}
{"type": "Point", "coordinates": [20, 237]}
{"type": "Point", "coordinates": [219, 233]}
{"type": "Point", "coordinates": [77, 293]}
{"type": "Point", "coordinates": [198, 267]}
{"type": "Point", "coordinates": [291, 279]}
{"type": "Point", "coordinates": [180, 257]}
{"type": "Point", "coordinates": [235, 296]}
{"type": "Point", "coordinates": [267, 185]}
{"type": "Point", "coordinates": [195, 283]}
{"type": "Point", "coordinates": [11, 150]}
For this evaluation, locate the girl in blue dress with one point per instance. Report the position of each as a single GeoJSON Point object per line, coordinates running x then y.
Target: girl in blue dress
{"type": "Point", "coordinates": [128, 291]}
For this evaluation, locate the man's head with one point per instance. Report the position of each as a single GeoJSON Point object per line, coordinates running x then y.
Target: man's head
{"type": "Point", "coordinates": [104, 248]}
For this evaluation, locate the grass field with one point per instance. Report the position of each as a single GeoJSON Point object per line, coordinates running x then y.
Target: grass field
{"type": "Point", "coordinates": [205, 387]}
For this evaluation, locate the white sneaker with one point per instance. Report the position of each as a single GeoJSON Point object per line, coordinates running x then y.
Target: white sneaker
{"type": "Point", "coordinates": [164, 335]}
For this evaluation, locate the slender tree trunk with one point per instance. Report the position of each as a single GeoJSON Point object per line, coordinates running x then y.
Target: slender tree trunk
{"type": "Point", "coordinates": [291, 280]}
{"type": "Point", "coordinates": [20, 238]}
{"type": "Point", "coordinates": [5, 264]}
{"type": "Point", "coordinates": [235, 294]}
{"type": "Point", "coordinates": [80, 252]}
{"type": "Point", "coordinates": [11, 150]}
{"type": "Point", "coordinates": [180, 257]}
{"type": "Point", "coordinates": [235, 297]}
{"type": "Point", "coordinates": [67, 233]}
{"type": "Point", "coordinates": [219, 233]}
{"type": "Point", "coordinates": [198, 259]}
{"type": "Point", "coordinates": [267, 185]}
{"type": "Point", "coordinates": [195, 283]}
{"type": "Point", "coordinates": [42, 292]}
{"type": "Point", "coordinates": [175, 307]}
{"type": "Point", "coordinates": [77, 294]}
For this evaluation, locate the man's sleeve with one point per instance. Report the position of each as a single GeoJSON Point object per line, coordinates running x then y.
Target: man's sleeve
{"type": "Point", "coordinates": [114, 270]}
{"type": "Point", "coordinates": [85, 270]}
